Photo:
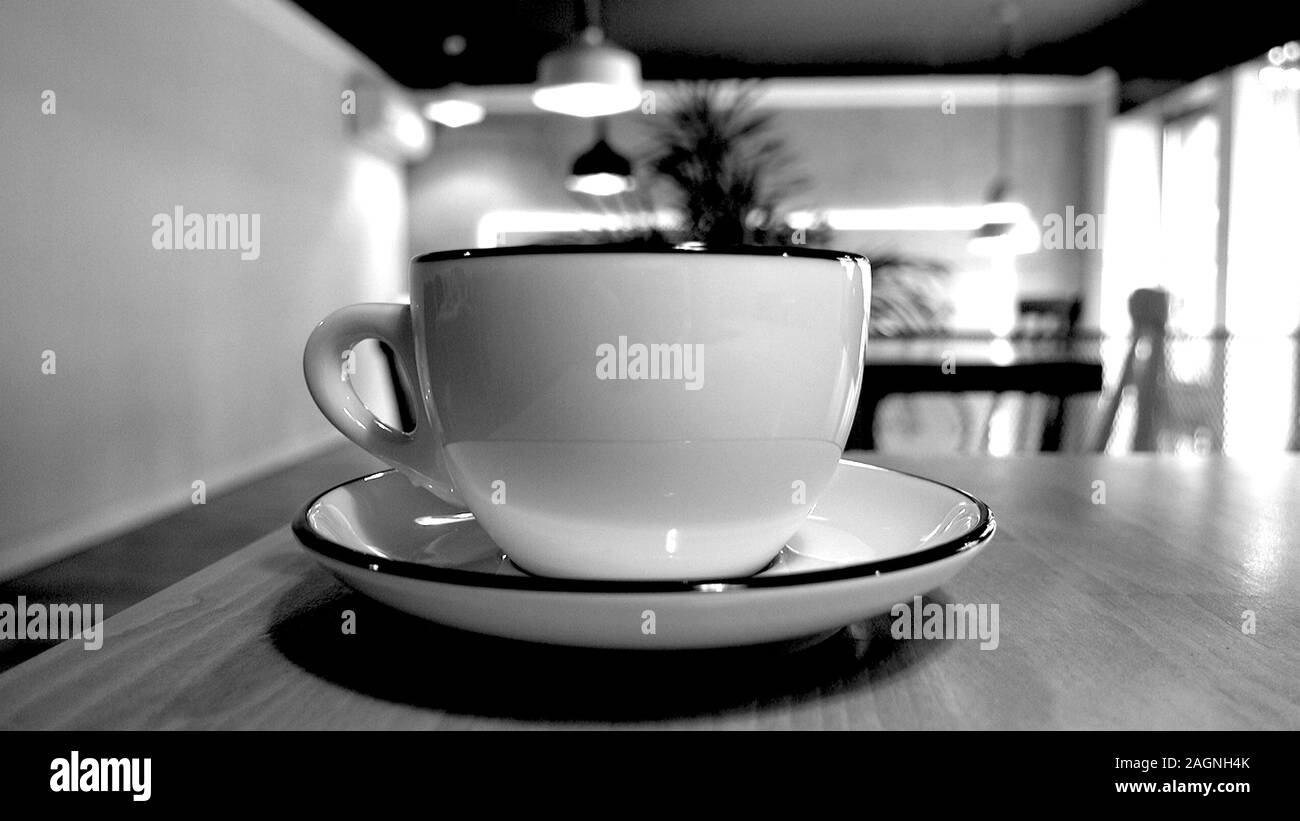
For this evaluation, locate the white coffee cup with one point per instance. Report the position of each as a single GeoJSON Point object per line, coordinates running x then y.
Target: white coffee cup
{"type": "Point", "coordinates": [612, 413]}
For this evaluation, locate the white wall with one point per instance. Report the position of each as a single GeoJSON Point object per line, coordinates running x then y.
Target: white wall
{"type": "Point", "coordinates": [172, 366]}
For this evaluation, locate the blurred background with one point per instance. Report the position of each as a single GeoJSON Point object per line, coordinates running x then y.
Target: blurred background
{"type": "Point", "coordinates": [1082, 218]}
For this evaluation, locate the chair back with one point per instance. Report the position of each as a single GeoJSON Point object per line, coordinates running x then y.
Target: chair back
{"type": "Point", "coordinates": [1144, 369]}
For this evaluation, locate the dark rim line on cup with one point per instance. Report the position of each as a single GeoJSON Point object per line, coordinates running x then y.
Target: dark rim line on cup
{"type": "Point", "coordinates": [313, 541]}
{"type": "Point", "coordinates": [684, 249]}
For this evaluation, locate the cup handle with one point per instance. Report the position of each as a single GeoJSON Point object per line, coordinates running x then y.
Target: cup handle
{"type": "Point", "coordinates": [418, 454]}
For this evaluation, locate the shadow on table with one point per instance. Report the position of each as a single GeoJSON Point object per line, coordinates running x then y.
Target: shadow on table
{"type": "Point", "coordinates": [403, 659]}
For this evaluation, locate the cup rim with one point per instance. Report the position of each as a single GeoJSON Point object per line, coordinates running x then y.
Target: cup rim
{"type": "Point", "coordinates": [684, 248]}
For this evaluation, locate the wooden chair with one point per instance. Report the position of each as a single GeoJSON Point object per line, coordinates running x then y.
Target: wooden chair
{"type": "Point", "coordinates": [1054, 322]}
{"type": "Point", "coordinates": [1144, 370]}
{"type": "Point", "coordinates": [1048, 319]}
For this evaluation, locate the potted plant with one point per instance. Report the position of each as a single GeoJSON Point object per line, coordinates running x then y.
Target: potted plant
{"type": "Point", "coordinates": [732, 178]}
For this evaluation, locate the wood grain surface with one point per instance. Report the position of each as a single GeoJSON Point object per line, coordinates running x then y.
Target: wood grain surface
{"type": "Point", "coordinates": [1127, 614]}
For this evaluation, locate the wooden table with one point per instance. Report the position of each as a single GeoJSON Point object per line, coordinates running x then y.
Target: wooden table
{"type": "Point", "coordinates": [1127, 614]}
{"type": "Point", "coordinates": [960, 365]}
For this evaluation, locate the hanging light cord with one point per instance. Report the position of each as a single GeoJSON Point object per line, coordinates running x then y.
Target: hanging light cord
{"type": "Point", "coordinates": [593, 28]}
{"type": "Point", "coordinates": [1008, 14]}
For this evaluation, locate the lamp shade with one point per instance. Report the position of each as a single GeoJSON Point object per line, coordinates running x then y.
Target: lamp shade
{"type": "Point", "coordinates": [601, 171]}
{"type": "Point", "coordinates": [1007, 228]}
{"type": "Point", "coordinates": [454, 112]}
{"type": "Point", "coordinates": [588, 78]}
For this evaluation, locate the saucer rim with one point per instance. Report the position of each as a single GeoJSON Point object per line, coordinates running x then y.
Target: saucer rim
{"type": "Point", "coordinates": [315, 543]}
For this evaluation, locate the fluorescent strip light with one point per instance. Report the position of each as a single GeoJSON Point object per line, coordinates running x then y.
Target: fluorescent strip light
{"type": "Point", "coordinates": [492, 225]}
{"type": "Point", "coordinates": [909, 217]}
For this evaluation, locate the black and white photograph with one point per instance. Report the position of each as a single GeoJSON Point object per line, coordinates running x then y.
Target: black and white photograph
{"type": "Point", "coordinates": [607, 365]}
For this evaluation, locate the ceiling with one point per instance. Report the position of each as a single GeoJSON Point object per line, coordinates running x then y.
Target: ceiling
{"type": "Point", "coordinates": [1152, 44]}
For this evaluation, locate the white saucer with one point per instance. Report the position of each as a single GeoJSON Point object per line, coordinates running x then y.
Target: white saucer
{"type": "Point", "coordinates": [875, 538]}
